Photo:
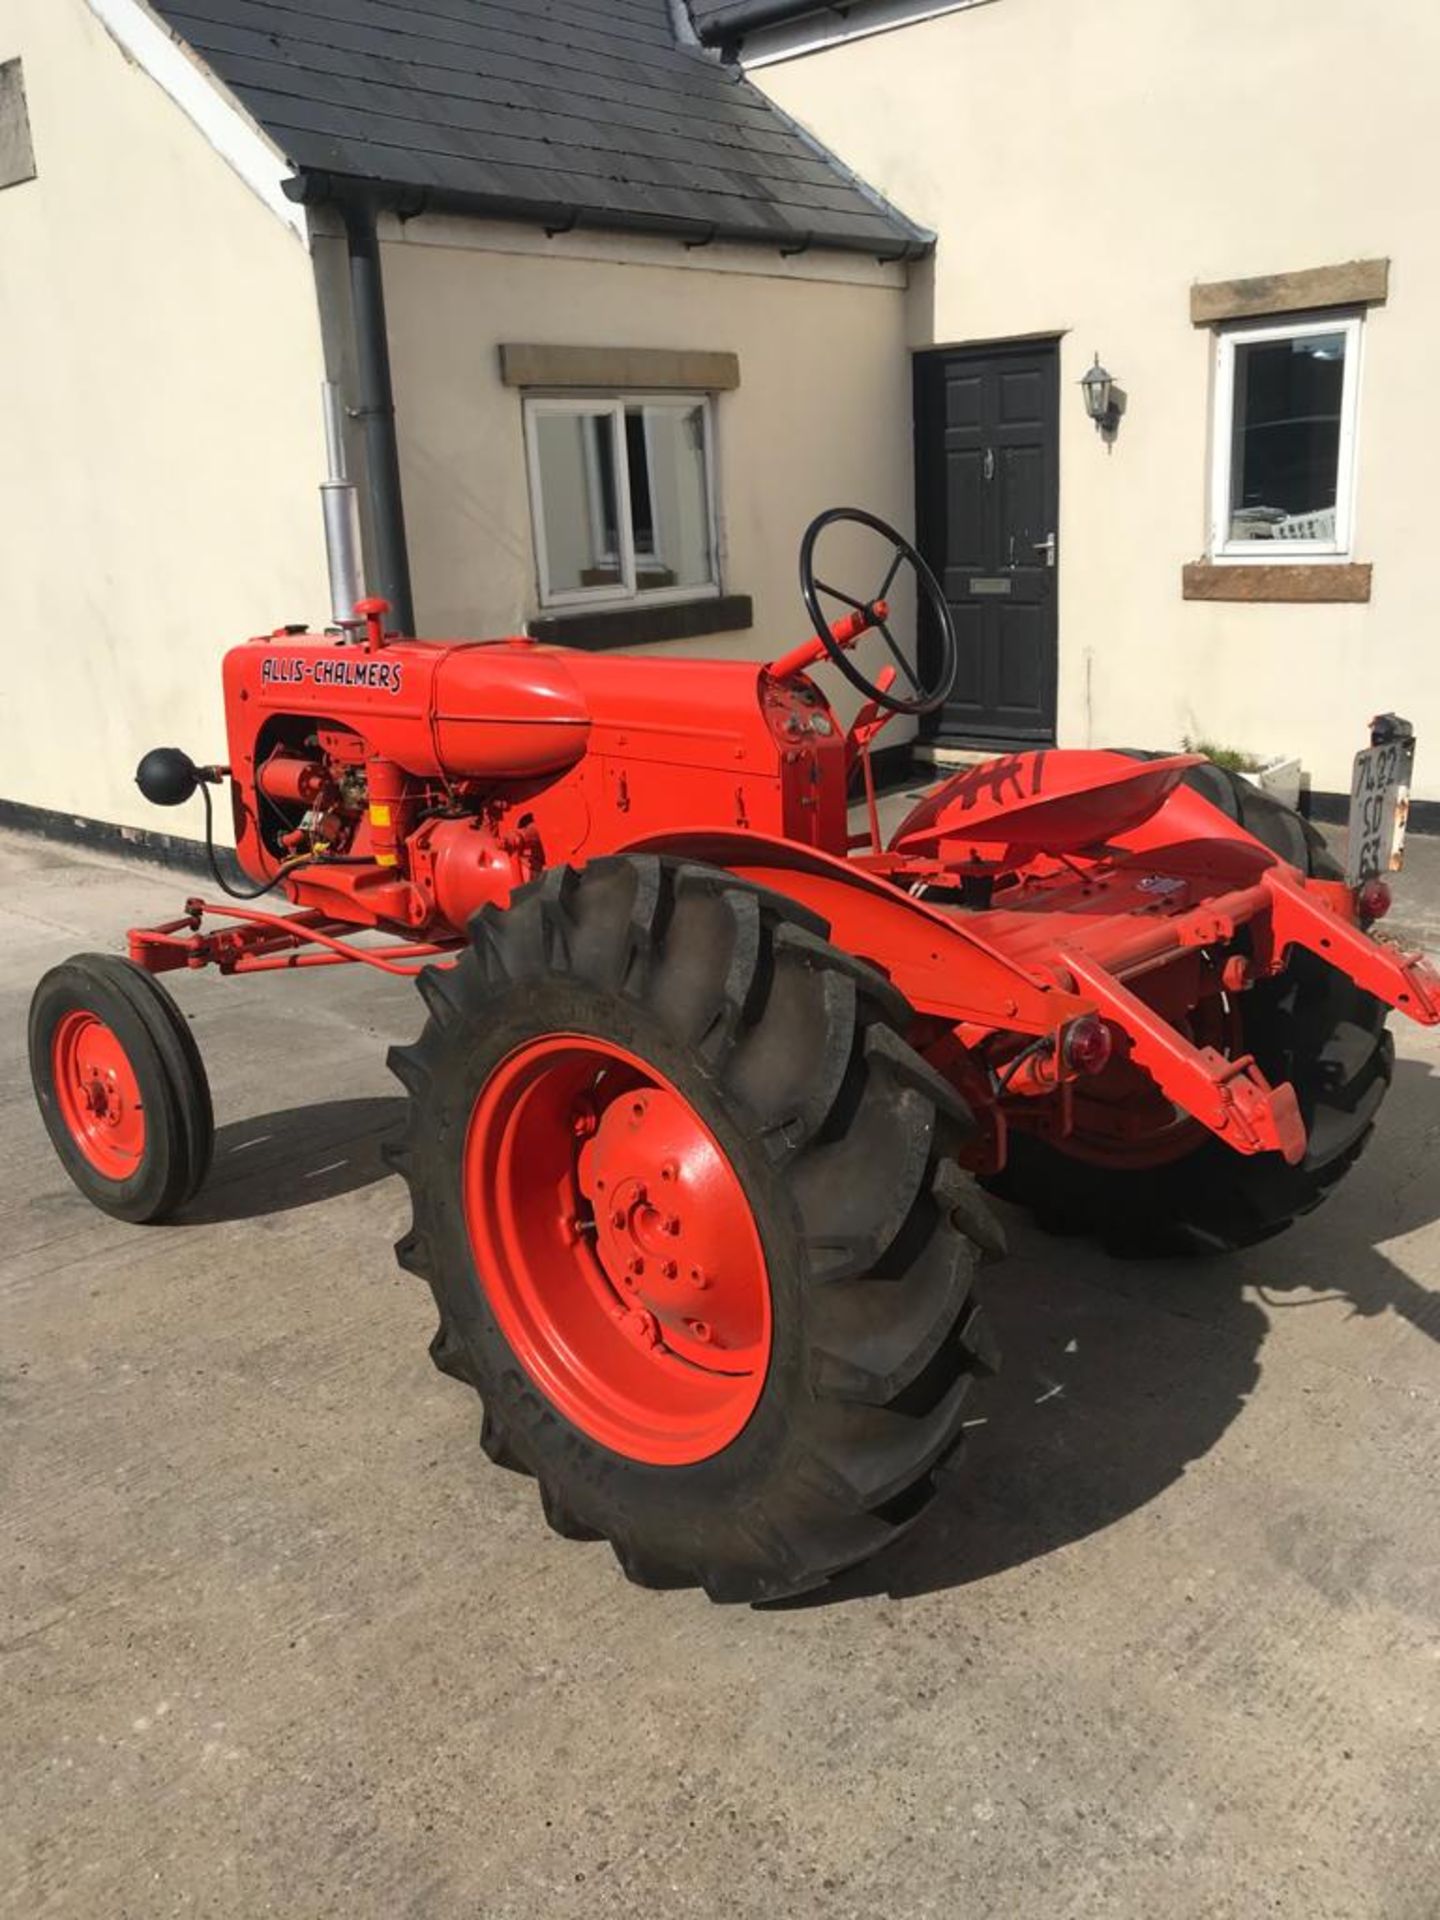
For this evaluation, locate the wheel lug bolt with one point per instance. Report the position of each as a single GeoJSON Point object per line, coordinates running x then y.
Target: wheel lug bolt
{"type": "Point", "coordinates": [699, 1277]}
{"type": "Point", "coordinates": [672, 1223]}
{"type": "Point", "coordinates": [637, 1266]}
{"type": "Point", "coordinates": [669, 1170]}
{"type": "Point", "coordinates": [617, 1219]}
{"type": "Point", "coordinates": [669, 1269]}
{"type": "Point", "coordinates": [700, 1329]}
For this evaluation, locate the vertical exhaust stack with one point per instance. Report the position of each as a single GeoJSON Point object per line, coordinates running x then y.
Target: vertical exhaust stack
{"type": "Point", "coordinates": [341, 508]}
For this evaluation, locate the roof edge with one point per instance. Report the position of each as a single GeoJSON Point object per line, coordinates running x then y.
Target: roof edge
{"type": "Point", "coordinates": [728, 27]}
{"type": "Point", "coordinates": [921, 239]}
{"type": "Point", "coordinates": [315, 187]}
{"type": "Point", "coordinates": [186, 76]}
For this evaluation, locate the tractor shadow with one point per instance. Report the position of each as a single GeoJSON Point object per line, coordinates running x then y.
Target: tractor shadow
{"type": "Point", "coordinates": [275, 1162]}
{"type": "Point", "coordinates": [1119, 1374]}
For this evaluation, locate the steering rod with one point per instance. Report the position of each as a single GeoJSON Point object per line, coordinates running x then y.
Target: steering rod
{"type": "Point", "coordinates": [845, 632]}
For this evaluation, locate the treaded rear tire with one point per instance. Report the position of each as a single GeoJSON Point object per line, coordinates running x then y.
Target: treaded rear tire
{"type": "Point", "coordinates": [790, 1052]}
{"type": "Point", "coordinates": [1311, 1026]}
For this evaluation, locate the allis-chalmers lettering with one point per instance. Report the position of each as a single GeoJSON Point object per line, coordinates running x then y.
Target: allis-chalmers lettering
{"type": "Point", "coordinates": [281, 670]}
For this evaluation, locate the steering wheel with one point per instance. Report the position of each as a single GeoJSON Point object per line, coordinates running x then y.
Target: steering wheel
{"type": "Point", "coordinates": [874, 613]}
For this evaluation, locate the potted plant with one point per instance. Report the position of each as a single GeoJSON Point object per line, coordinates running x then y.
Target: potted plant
{"type": "Point", "coordinates": [1279, 774]}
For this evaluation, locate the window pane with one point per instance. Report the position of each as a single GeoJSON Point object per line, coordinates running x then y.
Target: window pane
{"type": "Point", "coordinates": [669, 507]}
{"type": "Point", "coordinates": [1285, 455]}
{"type": "Point", "coordinates": [576, 457]}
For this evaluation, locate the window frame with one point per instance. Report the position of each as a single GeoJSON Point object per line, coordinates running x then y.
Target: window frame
{"type": "Point", "coordinates": [1226, 550]}
{"type": "Point", "coordinates": [536, 406]}
{"type": "Point", "coordinates": [17, 142]}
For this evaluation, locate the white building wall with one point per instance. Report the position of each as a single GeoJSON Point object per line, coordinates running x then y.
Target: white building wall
{"type": "Point", "coordinates": [160, 428]}
{"type": "Point", "coordinates": [1084, 164]}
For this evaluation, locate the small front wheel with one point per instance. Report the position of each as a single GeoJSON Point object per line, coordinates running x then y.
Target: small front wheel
{"type": "Point", "coordinates": [121, 1086]}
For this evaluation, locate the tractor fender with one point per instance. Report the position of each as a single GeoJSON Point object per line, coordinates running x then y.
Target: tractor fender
{"type": "Point", "coordinates": [938, 963]}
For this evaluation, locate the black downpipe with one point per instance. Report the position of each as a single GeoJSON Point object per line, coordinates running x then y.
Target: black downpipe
{"type": "Point", "coordinates": [390, 575]}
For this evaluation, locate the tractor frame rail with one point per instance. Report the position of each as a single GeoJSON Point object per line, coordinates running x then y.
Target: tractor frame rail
{"type": "Point", "coordinates": [261, 942]}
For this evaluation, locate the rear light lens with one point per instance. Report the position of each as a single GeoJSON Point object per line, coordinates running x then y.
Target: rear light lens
{"type": "Point", "coordinates": [1372, 900]}
{"type": "Point", "coordinates": [1088, 1044]}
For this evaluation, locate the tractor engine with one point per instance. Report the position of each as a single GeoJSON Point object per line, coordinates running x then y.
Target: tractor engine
{"type": "Point", "coordinates": [407, 783]}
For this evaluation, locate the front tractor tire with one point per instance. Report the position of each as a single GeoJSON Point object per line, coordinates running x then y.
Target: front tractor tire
{"type": "Point", "coordinates": [681, 1193]}
{"type": "Point", "coordinates": [121, 1086]}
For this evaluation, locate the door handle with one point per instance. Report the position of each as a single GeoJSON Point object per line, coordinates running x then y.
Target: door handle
{"type": "Point", "coordinates": [1047, 547]}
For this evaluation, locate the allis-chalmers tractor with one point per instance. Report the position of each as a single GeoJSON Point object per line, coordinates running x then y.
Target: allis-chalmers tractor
{"type": "Point", "coordinates": [710, 1085]}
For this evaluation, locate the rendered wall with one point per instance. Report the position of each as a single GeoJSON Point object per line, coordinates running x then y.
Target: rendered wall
{"type": "Point", "coordinates": [160, 428]}
{"type": "Point", "coordinates": [821, 416]}
{"type": "Point", "coordinates": [1083, 164]}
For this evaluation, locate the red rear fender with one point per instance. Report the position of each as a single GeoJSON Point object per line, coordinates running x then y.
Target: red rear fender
{"type": "Point", "coordinates": [1056, 800]}
{"type": "Point", "coordinates": [939, 964]}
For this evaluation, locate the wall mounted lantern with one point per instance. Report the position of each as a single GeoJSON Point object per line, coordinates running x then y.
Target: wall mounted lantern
{"type": "Point", "coordinates": [1101, 404]}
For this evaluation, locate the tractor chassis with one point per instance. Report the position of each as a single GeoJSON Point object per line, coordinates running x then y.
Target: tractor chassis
{"type": "Point", "coordinates": [260, 942]}
{"type": "Point", "coordinates": [1007, 1056]}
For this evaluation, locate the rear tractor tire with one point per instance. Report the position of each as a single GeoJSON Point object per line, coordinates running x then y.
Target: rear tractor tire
{"type": "Point", "coordinates": [121, 1086]}
{"type": "Point", "coordinates": [681, 1193]}
{"type": "Point", "coordinates": [1311, 1025]}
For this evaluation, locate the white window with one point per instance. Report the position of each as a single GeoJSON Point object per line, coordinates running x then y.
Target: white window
{"type": "Point", "coordinates": [622, 498]}
{"type": "Point", "coordinates": [1284, 435]}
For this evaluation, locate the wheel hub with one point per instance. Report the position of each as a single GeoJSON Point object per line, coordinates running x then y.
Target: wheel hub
{"type": "Point", "coordinates": [98, 1095]}
{"type": "Point", "coordinates": [616, 1245]}
{"type": "Point", "coordinates": [671, 1224]}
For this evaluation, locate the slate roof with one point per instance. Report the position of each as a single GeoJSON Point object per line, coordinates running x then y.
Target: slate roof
{"type": "Point", "coordinates": [563, 111]}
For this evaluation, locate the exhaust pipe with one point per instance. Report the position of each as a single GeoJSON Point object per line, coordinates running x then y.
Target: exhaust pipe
{"type": "Point", "coordinates": [340, 506]}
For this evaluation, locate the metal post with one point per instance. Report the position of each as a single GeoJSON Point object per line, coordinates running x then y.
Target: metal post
{"type": "Point", "coordinates": [340, 507]}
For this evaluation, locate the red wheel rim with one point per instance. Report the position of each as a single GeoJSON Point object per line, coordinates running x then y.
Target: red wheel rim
{"type": "Point", "coordinates": [617, 1249]}
{"type": "Point", "coordinates": [97, 1094]}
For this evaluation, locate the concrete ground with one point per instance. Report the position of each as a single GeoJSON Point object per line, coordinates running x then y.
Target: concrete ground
{"type": "Point", "coordinates": [277, 1640]}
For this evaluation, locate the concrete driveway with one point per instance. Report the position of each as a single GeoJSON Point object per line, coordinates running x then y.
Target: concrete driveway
{"type": "Point", "coordinates": [277, 1640]}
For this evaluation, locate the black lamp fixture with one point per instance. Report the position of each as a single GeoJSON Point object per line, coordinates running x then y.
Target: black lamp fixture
{"type": "Point", "coordinates": [1098, 387]}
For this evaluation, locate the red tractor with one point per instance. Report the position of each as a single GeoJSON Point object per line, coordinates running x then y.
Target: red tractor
{"type": "Point", "coordinates": [709, 1089]}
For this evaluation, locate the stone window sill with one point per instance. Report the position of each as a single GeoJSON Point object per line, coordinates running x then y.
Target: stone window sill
{"type": "Point", "coordinates": [636, 625]}
{"type": "Point", "coordinates": [1345, 580]}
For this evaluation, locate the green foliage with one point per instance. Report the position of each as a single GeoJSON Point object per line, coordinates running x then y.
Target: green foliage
{"type": "Point", "coordinates": [1233, 759]}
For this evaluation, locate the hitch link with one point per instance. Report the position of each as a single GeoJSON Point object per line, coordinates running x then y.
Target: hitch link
{"type": "Point", "coordinates": [1231, 1097]}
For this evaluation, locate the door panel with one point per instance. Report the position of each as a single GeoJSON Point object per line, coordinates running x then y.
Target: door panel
{"type": "Point", "coordinates": [969, 688]}
{"type": "Point", "coordinates": [987, 506]}
{"type": "Point", "coordinates": [1019, 659]}
{"type": "Point", "coordinates": [965, 508]}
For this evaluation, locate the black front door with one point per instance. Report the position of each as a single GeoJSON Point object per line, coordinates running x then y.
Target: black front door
{"type": "Point", "coordinates": [987, 492]}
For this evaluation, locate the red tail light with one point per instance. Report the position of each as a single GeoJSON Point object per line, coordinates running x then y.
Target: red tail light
{"type": "Point", "coordinates": [1373, 900]}
{"type": "Point", "coordinates": [1088, 1044]}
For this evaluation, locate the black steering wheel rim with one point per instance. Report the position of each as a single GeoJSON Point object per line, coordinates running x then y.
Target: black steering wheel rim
{"type": "Point", "coordinates": [924, 699]}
